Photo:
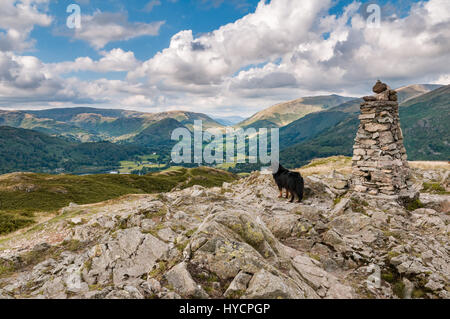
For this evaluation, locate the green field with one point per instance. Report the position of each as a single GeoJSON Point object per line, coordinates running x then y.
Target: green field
{"type": "Point", "coordinates": [127, 167]}
{"type": "Point", "coordinates": [24, 194]}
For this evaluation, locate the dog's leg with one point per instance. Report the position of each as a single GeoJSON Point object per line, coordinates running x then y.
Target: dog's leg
{"type": "Point", "coordinates": [293, 197]}
{"type": "Point", "coordinates": [281, 193]}
{"type": "Point", "coordinates": [300, 192]}
{"type": "Point", "coordinates": [287, 193]}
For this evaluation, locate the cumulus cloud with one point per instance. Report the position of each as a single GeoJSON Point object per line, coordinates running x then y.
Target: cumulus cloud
{"type": "Point", "coordinates": [25, 81]}
{"type": "Point", "coordinates": [17, 20]}
{"type": "Point", "coordinates": [102, 28]}
{"type": "Point", "coordinates": [272, 30]}
{"type": "Point", "coordinates": [22, 72]}
{"type": "Point", "coordinates": [115, 60]}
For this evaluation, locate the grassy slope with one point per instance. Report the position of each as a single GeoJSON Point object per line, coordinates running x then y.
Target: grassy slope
{"type": "Point", "coordinates": [284, 113]}
{"type": "Point", "coordinates": [337, 140]}
{"type": "Point", "coordinates": [27, 150]}
{"type": "Point", "coordinates": [22, 194]}
{"type": "Point", "coordinates": [309, 126]}
{"type": "Point", "coordinates": [159, 133]}
{"type": "Point", "coordinates": [425, 122]}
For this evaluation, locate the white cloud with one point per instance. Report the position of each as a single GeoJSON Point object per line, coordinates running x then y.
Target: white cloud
{"type": "Point", "coordinates": [273, 30]}
{"type": "Point", "coordinates": [137, 101]}
{"type": "Point", "coordinates": [17, 20]}
{"type": "Point", "coordinates": [25, 80]}
{"type": "Point", "coordinates": [115, 60]}
{"type": "Point", "coordinates": [102, 28]}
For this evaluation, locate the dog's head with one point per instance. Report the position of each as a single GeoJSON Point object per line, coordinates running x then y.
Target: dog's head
{"type": "Point", "coordinates": [277, 168]}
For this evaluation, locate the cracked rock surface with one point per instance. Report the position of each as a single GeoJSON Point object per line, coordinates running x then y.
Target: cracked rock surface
{"type": "Point", "coordinates": [238, 241]}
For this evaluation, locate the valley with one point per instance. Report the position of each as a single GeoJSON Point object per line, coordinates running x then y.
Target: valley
{"type": "Point", "coordinates": [88, 140]}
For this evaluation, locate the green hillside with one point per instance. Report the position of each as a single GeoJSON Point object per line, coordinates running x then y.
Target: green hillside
{"type": "Point", "coordinates": [412, 91]}
{"type": "Point", "coordinates": [309, 126]}
{"type": "Point", "coordinates": [425, 123]}
{"type": "Point", "coordinates": [284, 113]}
{"type": "Point", "coordinates": [92, 125]}
{"type": "Point", "coordinates": [23, 194]}
{"type": "Point", "coordinates": [19, 119]}
{"type": "Point", "coordinates": [157, 134]}
{"type": "Point", "coordinates": [31, 151]}
{"type": "Point", "coordinates": [337, 140]}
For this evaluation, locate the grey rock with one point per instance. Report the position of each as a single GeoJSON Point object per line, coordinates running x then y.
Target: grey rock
{"type": "Point", "coordinates": [167, 235]}
{"type": "Point", "coordinates": [265, 285]}
{"type": "Point", "coordinates": [238, 286]}
{"type": "Point", "coordinates": [145, 256]}
{"type": "Point", "coordinates": [181, 280]}
{"type": "Point", "coordinates": [151, 287]}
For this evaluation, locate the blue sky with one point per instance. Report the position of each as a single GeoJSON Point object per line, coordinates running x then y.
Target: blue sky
{"type": "Point", "coordinates": [53, 46]}
{"type": "Point", "coordinates": [221, 57]}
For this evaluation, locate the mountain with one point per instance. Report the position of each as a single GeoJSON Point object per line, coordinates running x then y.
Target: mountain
{"type": "Point", "coordinates": [19, 119]}
{"type": "Point", "coordinates": [424, 121]}
{"type": "Point", "coordinates": [28, 150]}
{"type": "Point", "coordinates": [229, 120]}
{"type": "Point", "coordinates": [312, 125]}
{"type": "Point", "coordinates": [68, 114]}
{"type": "Point", "coordinates": [425, 124]}
{"type": "Point", "coordinates": [91, 124]}
{"type": "Point", "coordinates": [411, 91]}
{"type": "Point", "coordinates": [157, 134]}
{"type": "Point", "coordinates": [185, 118]}
{"type": "Point", "coordinates": [284, 113]}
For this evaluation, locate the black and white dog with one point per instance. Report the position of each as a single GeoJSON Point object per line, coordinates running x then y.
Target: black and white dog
{"type": "Point", "coordinates": [292, 182]}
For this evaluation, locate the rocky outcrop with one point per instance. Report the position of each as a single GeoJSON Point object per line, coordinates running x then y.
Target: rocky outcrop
{"type": "Point", "coordinates": [239, 241]}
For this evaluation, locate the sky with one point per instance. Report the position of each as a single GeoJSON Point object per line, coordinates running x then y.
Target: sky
{"type": "Point", "coordinates": [219, 57]}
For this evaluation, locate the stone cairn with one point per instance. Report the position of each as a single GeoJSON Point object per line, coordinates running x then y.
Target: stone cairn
{"type": "Point", "coordinates": [379, 157]}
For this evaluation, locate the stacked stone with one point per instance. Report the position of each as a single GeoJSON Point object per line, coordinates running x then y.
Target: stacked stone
{"type": "Point", "coordinates": [379, 158]}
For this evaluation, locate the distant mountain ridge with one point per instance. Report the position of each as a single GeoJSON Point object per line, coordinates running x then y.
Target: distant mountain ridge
{"type": "Point", "coordinates": [409, 92]}
{"type": "Point", "coordinates": [285, 113]}
{"type": "Point", "coordinates": [91, 124]}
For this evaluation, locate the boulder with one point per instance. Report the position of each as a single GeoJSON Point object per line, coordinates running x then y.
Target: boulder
{"type": "Point", "coordinates": [181, 280]}
{"type": "Point", "coordinates": [379, 87]}
{"type": "Point", "coordinates": [238, 286]}
{"type": "Point", "coordinates": [265, 285]}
